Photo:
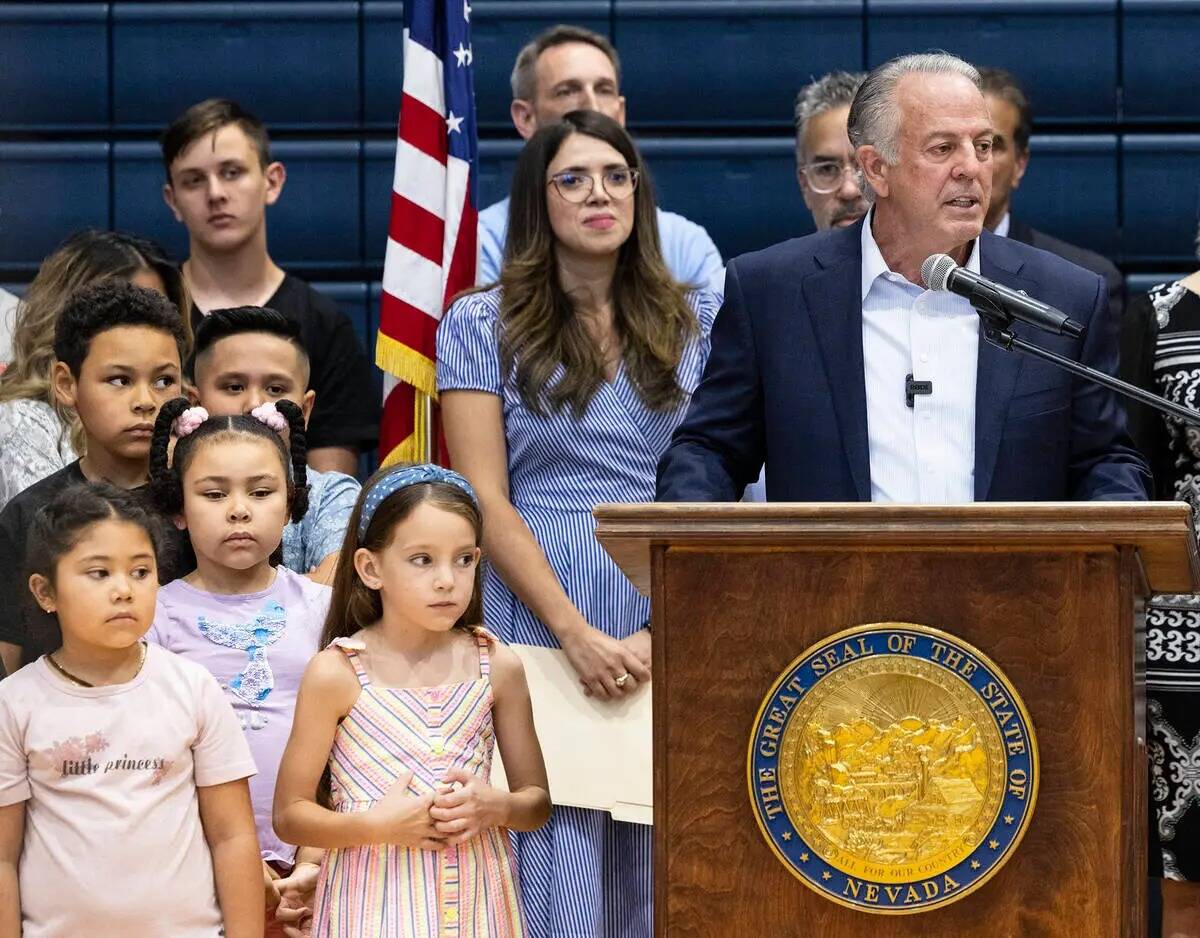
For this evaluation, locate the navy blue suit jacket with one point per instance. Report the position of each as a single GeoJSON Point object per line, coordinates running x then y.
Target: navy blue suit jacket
{"type": "Point", "coordinates": [784, 385]}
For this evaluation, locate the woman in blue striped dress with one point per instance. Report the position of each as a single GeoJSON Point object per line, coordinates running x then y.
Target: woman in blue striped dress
{"type": "Point", "coordinates": [560, 388]}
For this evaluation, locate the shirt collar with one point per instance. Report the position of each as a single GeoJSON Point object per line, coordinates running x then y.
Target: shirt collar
{"type": "Point", "coordinates": [1001, 229]}
{"type": "Point", "coordinates": [874, 266]}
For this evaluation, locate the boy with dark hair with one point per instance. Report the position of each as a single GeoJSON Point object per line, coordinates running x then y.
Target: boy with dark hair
{"type": "Point", "coordinates": [220, 180]}
{"type": "Point", "coordinates": [119, 349]}
{"type": "Point", "coordinates": [250, 356]}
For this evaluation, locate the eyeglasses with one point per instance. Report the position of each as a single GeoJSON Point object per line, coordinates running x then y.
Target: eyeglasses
{"type": "Point", "coordinates": [574, 186]}
{"type": "Point", "coordinates": [825, 176]}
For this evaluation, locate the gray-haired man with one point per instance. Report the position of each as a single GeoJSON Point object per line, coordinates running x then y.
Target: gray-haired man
{"type": "Point", "coordinates": [834, 364]}
{"type": "Point", "coordinates": [825, 164]}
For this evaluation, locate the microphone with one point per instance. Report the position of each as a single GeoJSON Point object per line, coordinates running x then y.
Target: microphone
{"type": "Point", "coordinates": [941, 273]}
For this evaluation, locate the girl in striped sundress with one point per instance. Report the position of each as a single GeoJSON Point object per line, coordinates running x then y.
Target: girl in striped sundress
{"type": "Point", "coordinates": [560, 388]}
{"type": "Point", "coordinates": [388, 763]}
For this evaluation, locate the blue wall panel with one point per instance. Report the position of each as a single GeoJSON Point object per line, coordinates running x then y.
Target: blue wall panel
{"type": "Point", "coordinates": [728, 63]}
{"type": "Point", "coordinates": [1064, 51]}
{"type": "Point", "coordinates": [47, 191]}
{"type": "Point", "coordinates": [291, 64]}
{"type": "Point", "coordinates": [1070, 190]}
{"type": "Point", "coordinates": [53, 66]}
{"type": "Point", "coordinates": [1160, 197]}
{"type": "Point", "coordinates": [315, 223]}
{"type": "Point", "coordinates": [743, 191]}
{"type": "Point", "coordinates": [1160, 59]}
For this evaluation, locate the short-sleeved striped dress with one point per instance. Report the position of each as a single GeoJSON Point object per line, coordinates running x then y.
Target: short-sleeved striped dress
{"type": "Point", "coordinates": [385, 891]}
{"type": "Point", "coordinates": [582, 874]}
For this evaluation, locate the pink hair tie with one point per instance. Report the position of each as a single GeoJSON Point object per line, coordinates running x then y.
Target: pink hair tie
{"type": "Point", "coordinates": [188, 421]}
{"type": "Point", "coordinates": [269, 414]}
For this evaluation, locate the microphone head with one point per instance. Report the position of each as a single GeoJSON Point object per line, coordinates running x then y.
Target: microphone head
{"type": "Point", "coordinates": [936, 271]}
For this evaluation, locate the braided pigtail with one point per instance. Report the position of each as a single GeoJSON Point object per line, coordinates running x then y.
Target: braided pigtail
{"type": "Point", "coordinates": [299, 456]}
{"type": "Point", "coordinates": [166, 488]}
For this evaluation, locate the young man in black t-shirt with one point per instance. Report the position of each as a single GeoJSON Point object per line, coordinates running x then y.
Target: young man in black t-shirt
{"type": "Point", "coordinates": [119, 354]}
{"type": "Point", "coordinates": [220, 180]}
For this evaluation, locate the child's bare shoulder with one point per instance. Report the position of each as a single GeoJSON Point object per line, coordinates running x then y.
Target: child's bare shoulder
{"type": "Point", "coordinates": [330, 673]}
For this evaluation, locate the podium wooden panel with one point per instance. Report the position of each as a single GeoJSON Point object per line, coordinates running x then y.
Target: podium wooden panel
{"type": "Point", "coordinates": [1051, 592]}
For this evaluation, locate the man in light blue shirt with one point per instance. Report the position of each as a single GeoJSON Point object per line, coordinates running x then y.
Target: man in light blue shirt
{"type": "Point", "coordinates": [565, 69]}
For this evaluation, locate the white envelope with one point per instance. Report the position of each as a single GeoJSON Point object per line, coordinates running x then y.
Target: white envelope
{"type": "Point", "coordinates": [598, 753]}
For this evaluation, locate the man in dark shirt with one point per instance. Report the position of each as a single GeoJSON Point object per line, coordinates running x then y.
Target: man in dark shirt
{"type": "Point", "coordinates": [220, 180]}
{"type": "Point", "coordinates": [1013, 120]}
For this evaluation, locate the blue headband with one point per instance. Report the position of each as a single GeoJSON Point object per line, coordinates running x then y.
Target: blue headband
{"type": "Point", "coordinates": [387, 486]}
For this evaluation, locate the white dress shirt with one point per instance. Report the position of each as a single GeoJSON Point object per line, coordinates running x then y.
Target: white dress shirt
{"type": "Point", "coordinates": [1002, 228]}
{"type": "Point", "coordinates": [924, 454]}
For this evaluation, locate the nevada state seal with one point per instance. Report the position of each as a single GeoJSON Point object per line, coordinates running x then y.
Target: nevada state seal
{"type": "Point", "coordinates": [893, 768]}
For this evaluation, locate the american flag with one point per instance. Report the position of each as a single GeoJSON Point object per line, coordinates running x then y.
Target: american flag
{"type": "Point", "coordinates": [431, 248]}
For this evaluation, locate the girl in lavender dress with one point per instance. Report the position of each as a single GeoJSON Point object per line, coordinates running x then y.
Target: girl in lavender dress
{"type": "Point", "coordinates": [252, 624]}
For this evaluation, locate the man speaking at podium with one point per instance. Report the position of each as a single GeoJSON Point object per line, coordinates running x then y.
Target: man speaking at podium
{"type": "Point", "coordinates": [833, 365]}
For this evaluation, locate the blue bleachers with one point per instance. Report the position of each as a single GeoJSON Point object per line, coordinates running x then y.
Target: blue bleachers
{"type": "Point", "coordinates": [1070, 189]}
{"type": "Point", "coordinates": [1160, 60]}
{"type": "Point", "coordinates": [47, 190]}
{"type": "Point", "coordinates": [1066, 50]}
{"type": "Point", "coordinates": [295, 65]}
{"type": "Point", "coordinates": [54, 66]}
{"type": "Point", "coordinates": [702, 63]}
{"type": "Point", "coordinates": [86, 86]}
{"type": "Point", "coordinates": [1161, 194]}
{"type": "Point", "coordinates": [315, 224]}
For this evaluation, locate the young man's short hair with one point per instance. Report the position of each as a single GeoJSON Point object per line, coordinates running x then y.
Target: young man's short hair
{"type": "Point", "coordinates": [239, 320]}
{"type": "Point", "coordinates": [524, 73]}
{"type": "Point", "coordinates": [110, 304]}
{"type": "Point", "coordinates": [206, 118]}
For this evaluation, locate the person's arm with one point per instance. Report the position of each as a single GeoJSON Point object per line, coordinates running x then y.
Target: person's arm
{"type": "Point", "coordinates": [228, 822]}
{"type": "Point", "coordinates": [462, 813]}
{"type": "Point", "coordinates": [29, 447]}
{"type": "Point", "coordinates": [327, 692]}
{"type": "Point", "coordinates": [334, 459]}
{"type": "Point", "coordinates": [473, 422]}
{"type": "Point", "coordinates": [719, 447]}
{"type": "Point", "coordinates": [12, 838]}
{"type": "Point", "coordinates": [1104, 463]}
{"type": "Point", "coordinates": [324, 527]}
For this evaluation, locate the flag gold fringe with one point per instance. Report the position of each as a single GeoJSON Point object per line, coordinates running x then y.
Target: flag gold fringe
{"type": "Point", "coordinates": [408, 365]}
{"type": "Point", "coordinates": [416, 447]}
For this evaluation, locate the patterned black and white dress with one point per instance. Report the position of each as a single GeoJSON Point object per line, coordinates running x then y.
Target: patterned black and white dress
{"type": "Point", "coordinates": [1161, 352]}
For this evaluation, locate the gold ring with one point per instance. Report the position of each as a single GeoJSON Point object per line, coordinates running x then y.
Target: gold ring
{"type": "Point", "coordinates": [620, 682]}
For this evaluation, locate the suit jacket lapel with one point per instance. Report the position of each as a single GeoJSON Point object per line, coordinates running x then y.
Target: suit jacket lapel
{"type": "Point", "coordinates": [832, 296]}
{"type": "Point", "coordinates": [997, 370]}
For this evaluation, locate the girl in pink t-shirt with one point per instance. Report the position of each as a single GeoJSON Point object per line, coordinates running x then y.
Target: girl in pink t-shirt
{"type": "Point", "coordinates": [254, 626]}
{"type": "Point", "coordinates": [124, 809]}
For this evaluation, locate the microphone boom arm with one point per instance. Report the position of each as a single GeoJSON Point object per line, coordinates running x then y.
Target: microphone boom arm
{"type": "Point", "coordinates": [997, 330]}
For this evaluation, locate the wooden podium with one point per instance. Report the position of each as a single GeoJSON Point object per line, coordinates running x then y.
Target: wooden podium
{"type": "Point", "coordinates": [1052, 593]}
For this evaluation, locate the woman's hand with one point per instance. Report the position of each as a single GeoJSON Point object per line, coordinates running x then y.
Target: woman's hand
{"type": "Point", "coordinates": [465, 812]}
{"type": "Point", "coordinates": [600, 661]}
{"type": "Point", "coordinates": [403, 819]}
{"type": "Point", "coordinates": [639, 644]}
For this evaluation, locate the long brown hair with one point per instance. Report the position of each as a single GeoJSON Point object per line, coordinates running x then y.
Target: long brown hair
{"type": "Point", "coordinates": [84, 258]}
{"type": "Point", "coordinates": [354, 605]}
{"type": "Point", "coordinates": [540, 330]}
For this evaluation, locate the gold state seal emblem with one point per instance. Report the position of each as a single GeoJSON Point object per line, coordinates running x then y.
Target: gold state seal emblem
{"type": "Point", "coordinates": [893, 768]}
